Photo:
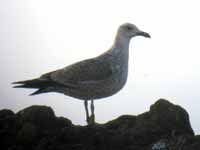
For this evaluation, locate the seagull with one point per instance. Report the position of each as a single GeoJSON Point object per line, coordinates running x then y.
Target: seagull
{"type": "Point", "coordinates": [93, 78]}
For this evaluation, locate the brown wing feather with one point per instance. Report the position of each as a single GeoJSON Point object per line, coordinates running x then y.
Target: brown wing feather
{"type": "Point", "coordinates": [84, 71]}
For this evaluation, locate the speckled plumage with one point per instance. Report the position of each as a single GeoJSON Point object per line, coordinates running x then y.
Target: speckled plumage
{"type": "Point", "coordinates": [93, 78]}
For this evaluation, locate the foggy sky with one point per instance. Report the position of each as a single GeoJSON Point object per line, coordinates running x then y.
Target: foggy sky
{"type": "Point", "coordinates": [43, 35]}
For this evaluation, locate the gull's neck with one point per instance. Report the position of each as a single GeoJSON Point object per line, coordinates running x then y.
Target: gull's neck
{"type": "Point", "coordinates": [121, 42]}
{"type": "Point", "coordinates": [119, 49]}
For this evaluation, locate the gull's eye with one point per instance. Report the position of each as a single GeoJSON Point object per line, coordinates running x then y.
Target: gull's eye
{"type": "Point", "coordinates": [129, 28]}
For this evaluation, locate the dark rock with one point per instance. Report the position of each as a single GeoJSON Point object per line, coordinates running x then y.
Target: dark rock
{"type": "Point", "coordinates": [4, 113]}
{"type": "Point", "coordinates": [164, 127]}
{"type": "Point", "coordinates": [7, 128]}
{"type": "Point", "coordinates": [42, 117]}
{"type": "Point", "coordinates": [6, 119]}
{"type": "Point", "coordinates": [27, 134]}
{"type": "Point", "coordinates": [171, 117]}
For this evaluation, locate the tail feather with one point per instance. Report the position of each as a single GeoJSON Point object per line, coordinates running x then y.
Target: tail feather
{"type": "Point", "coordinates": [41, 85]}
{"type": "Point", "coordinates": [27, 81]}
{"type": "Point", "coordinates": [27, 84]}
{"type": "Point", "coordinates": [39, 91]}
{"type": "Point", "coordinates": [22, 86]}
{"type": "Point", "coordinates": [35, 83]}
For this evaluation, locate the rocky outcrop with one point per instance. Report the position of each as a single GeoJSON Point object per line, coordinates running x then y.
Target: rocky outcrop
{"type": "Point", "coordinates": [164, 127]}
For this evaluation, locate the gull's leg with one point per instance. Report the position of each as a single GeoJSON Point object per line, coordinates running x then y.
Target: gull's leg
{"type": "Point", "coordinates": [92, 112]}
{"type": "Point", "coordinates": [86, 110]}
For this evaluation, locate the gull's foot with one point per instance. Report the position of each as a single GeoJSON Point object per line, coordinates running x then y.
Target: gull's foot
{"type": "Point", "coordinates": [88, 121]}
{"type": "Point", "coordinates": [91, 120]}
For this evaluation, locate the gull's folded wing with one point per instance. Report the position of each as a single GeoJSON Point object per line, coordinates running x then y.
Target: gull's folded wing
{"type": "Point", "coordinates": [87, 71]}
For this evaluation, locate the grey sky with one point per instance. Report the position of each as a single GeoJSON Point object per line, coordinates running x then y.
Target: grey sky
{"type": "Point", "coordinates": [43, 35]}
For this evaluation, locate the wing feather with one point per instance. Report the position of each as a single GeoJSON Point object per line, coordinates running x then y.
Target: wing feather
{"type": "Point", "coordinates": [87, 71]}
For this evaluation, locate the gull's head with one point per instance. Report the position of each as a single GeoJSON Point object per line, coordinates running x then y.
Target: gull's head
{"type": "Point", "coordinates": [129, 30]}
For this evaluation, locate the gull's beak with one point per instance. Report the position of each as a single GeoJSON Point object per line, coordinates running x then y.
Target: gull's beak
{"type": "Point", "coordinates": [145, 34]}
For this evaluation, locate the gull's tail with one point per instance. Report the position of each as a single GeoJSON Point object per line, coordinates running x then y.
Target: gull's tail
{"type": "Point", "coordinates": [43, 86]}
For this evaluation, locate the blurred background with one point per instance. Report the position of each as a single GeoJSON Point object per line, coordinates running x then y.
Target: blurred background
{"type": "Point", "coordinates": [38, 36]}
